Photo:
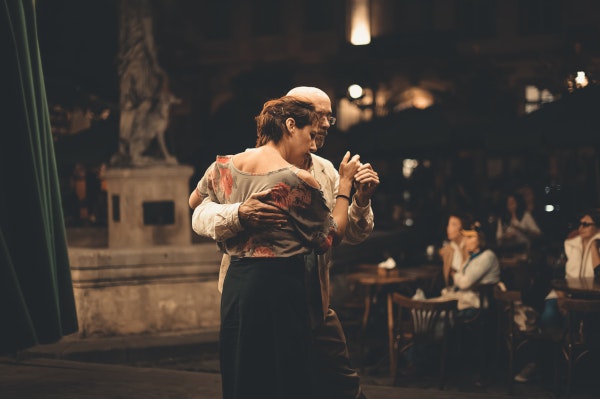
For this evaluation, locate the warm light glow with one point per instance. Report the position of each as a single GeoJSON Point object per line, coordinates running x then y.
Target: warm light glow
{"type": "Point", "coordinates": [360, 24]}
{"type": "Point", "coordinates": [415, 97]}
{"type": "Point", "coordinates": [408, 166]}
{"type": "Point", "coordinates": [581, 80]}
{"type": "Point", "coordinates": [422, 102]}
{"type": "Point", "coordinates": [546, 96]}
{"type": "Point", "coordinates": [532, 94]}
{"type": "Point", "coordinates": [355, 91]}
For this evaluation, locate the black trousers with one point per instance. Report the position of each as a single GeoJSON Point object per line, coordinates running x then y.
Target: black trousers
{"type": "Point", "coordinates": [335, 378]}
{"type": "Point", "coordinates": [265, 339]}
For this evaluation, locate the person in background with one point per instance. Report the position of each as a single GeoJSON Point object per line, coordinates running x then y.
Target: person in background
{"type": "Point", "coordinates": [582, 252]}
{"type": "Point", "coordinates": [481, 267]}
{"type": "Point", "coordinates": [334, 375]}
{"type": "Point", "coordinates": [516, 228]}
{"type": "Point", "coordinates": [453, 253]}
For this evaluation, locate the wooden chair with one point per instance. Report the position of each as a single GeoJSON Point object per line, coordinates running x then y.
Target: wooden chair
{"type": "Point", "coordinates": [505, 305]}
{"type": "Point", "coordinates": [480, 326]}
{"type": "Point", "coordinates": [419, 322]}
{"type": "Point", "coordinates": [509, 334]}
{"type": "Point", "coordinates": [578, 343]}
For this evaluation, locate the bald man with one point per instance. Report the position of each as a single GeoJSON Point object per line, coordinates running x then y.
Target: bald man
{"type": "Point", "coordinates": [335, 378]}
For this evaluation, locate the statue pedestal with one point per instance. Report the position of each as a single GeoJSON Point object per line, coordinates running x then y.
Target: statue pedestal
{"type": "Point", "coordinates": [150, 278]}
{"type": "Point", "coordinates": [162, 289]}
{"type": "Point", "coordinates": [148, 206]}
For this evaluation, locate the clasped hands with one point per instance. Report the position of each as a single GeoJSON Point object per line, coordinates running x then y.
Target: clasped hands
{"type": "Point", "coordinates": [255, 213]}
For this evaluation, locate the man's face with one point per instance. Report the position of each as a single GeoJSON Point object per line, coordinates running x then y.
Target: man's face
{"type": "Point", "coordinates": [323, 107]}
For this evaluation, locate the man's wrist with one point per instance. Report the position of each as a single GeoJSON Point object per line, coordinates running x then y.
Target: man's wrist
{"type": "Point", "coordinates": [238, 219]}
{"type": "Point", "coordinates": [361, 201]}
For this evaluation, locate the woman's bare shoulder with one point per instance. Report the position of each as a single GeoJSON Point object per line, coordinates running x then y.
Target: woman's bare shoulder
{"type": "Point", "coordinates": [308, 178]}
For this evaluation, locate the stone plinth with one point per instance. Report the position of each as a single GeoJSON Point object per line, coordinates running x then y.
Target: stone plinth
{"type": "Point", "coordinates": [148, 206]}
{"type": "Point", "coordinates": [145, 290]}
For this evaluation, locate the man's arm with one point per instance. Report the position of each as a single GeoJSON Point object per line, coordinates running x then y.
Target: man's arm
{"type": "Point", "coordinates": [217, 221]}
{"type": "Point", "coordinates": [223, 221]}
{"type": "Point", "coordinates": [360, 214]}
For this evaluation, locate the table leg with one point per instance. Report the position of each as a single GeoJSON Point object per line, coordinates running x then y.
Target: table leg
{"type": "Point", "coordinates": [390, 327]}
{"type": "Point", "coordinates": [365, 320]}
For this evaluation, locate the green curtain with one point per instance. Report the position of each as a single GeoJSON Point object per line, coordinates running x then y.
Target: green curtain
{"type": "Point", "coordinates": [36, 292]}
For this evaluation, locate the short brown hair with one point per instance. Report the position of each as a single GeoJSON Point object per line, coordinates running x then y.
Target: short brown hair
{"type": "Point", "coordinates": [270, 123]}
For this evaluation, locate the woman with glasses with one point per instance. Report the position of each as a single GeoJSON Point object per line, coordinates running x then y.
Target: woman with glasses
{"type": "Point", "coordinates": [265, 339]}
{"type": "Point", "coordinates": [582, 251]}
{"type": "Point", "coordinates": [583, 260]}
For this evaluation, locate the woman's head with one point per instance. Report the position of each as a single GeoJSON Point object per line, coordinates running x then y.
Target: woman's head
{"type": "Point", "coordinates": [280, 115]}
{"type": "Point", "coordinates": [454, 227]}
{"type": "Point", "coordinates": [589, 223]}
{"type": "Point", "coordinates": [515, 203]}
{"type": "Point", "coordinates": [474, 237]}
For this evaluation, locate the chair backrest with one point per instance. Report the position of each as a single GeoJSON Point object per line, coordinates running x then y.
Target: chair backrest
{"type": "Point", "coordinates": [505, 306]}
{"type": "Point", "coordinates": [486, 293]}
{"type": "Point", "coordinates": [429, 319]}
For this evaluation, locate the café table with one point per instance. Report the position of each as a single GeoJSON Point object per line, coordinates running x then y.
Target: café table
{"type": "Point", "coordinates": [578, 286]}
{"type": "Point", "coordinates": [372, 279]}
{"type": "Point", "coordinates": [515, 271]}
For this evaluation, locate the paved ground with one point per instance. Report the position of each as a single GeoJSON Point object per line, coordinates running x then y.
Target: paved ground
{"type": "Point", "coordinates": [179, 366]}
{"type": "Point", "coordinates": [43, 378]}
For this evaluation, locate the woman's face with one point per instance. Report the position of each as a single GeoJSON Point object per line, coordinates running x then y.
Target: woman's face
{"type": "Point", "coordinates": [511, 204]}
{"type": "Point", "coordinates": [453, 228]}
{"type": "Point", "coordinates": [306, 138]}
{"type": "Point", "coordinates": [471, 241]}
{"type": "Point", "coordinates": [587, 227]}
{"type": "Point", "coordinates": [303, 139]}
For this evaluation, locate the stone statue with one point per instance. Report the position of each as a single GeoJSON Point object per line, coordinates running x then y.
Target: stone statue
{"type": "Point", "coordinates": [145, 97]}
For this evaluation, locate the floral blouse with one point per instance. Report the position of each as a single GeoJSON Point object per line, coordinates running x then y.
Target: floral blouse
{"type": "Point", "coordinates": [310, 223]}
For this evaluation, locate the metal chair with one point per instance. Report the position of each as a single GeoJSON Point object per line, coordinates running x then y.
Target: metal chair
{"type": "Point", "coordinates": [421, 322]}
{"type": "Point", "coordinates": [578, 338]}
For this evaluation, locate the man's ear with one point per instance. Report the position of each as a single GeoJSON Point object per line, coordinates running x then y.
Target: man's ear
{"type": "Point", "coordinates": [290, 123]}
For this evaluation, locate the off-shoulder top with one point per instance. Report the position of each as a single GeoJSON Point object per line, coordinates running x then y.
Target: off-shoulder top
{"type": "Point", "coordinates": [310, 225]}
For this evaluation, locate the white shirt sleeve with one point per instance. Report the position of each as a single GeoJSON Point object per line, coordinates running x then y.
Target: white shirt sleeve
{"type": "Point", "coordinates": [217, 221]}
{"type": "Point", "coordinates": [360, 223]}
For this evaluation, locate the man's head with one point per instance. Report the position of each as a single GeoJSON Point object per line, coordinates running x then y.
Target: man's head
{"type": "Point", "coordinates": [322, 105]}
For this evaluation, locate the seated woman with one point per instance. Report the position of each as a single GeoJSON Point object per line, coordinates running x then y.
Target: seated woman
{"type": "Point", "coordinates": [516, 228]}
{"type": "Point", "coordinates": [265, 334]}
{"type": "Point", "coordinates": [481, 267]}
{"type": "Point", "coordinates": [583, 260]}
{"type": "Point", "coordinates": [453, 253]}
